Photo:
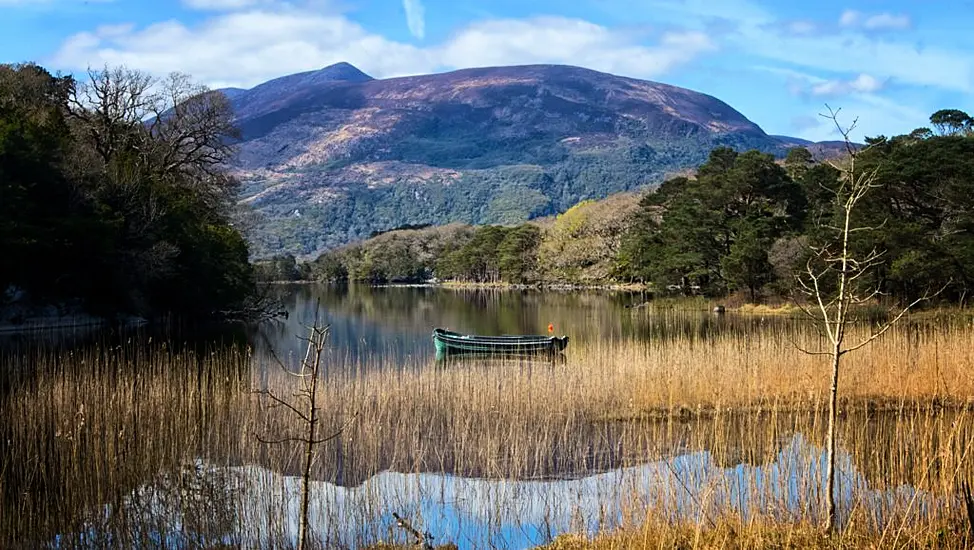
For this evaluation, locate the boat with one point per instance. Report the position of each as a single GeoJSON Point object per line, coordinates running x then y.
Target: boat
{"type": "Point", "coordinates": [453, 343]}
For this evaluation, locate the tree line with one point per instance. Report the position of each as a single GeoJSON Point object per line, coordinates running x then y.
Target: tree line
{"type": "Point", "coordinates": [112, 195]}
{"type": "Point", "coordinates": [746, 223]}
{"type": "Point", "coordinates": [578, 246]}
{"type": "Point", "coordinates": [741, 222]}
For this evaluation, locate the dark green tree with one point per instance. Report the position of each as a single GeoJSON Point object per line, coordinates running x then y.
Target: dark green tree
{"type": "Point", "coordinates": [692, 231]}
{"type": "Point", "coordinates": [747, 266]}
{"type": "Point", "coordinates": [477, 260]}
{"type": "Point", "coordinates": [517, 254]}
{"type": "Point", "coordinates": [925, 206]}
{"type": "Point", "coordinates": [797, 162]}
{"type": "Point", "coordinates": [952, 122]}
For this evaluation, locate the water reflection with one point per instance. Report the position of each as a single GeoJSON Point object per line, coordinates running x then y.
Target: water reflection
{"type": "Point", "coordinates": [261, 506]}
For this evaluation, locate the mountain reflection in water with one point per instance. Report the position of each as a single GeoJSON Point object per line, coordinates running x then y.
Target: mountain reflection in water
{"type": "Point", "coordinates": [262, 506]}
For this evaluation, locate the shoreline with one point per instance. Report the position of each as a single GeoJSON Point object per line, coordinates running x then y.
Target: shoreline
{"type": "Point", "coordinates": [618, 287]}
{"type": "Point", "coordinates": [66, 322]}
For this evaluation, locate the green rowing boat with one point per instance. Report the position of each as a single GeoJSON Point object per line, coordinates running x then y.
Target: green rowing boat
{"type": "Point", "coordinates": [454, 343]}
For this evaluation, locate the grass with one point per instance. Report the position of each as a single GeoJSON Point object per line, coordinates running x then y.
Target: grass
{"type": "Point", "coordinates": [764, 309]}
{"type": "Point", "coordinates": [86, 434]}
{"type": "Point", "coordinates": [735, 535]}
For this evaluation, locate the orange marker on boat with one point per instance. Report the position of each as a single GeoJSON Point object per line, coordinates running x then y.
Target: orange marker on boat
{"type": "Point", "coordinates": [551, 328]}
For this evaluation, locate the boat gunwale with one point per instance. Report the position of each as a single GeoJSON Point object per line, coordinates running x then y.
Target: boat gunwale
{"type": "Point", "coordinates": [531, 339]}
{"type": "Point", "coordinates": [515, 343]}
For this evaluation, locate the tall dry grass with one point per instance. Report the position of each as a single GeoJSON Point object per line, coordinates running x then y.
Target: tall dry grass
{"type": "Point", "coordinates": [86, 435]}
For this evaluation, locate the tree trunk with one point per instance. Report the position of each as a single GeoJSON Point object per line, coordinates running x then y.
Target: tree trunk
{"type": "Point", "coordinates": [838, 337]}
{"type": "Point", "coordinates": [830, 444]}
{"type": "Point", "coordinates": [310, 443]}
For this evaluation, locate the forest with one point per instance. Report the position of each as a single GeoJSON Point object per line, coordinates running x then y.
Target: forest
{"type": "Point", "coordinates": [741, 223]}
{"type": "Point", "coordinates": [112, 195]}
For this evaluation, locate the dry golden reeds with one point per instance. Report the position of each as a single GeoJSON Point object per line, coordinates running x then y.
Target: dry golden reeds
{"type": "Point", "coordinates": [98, 443]}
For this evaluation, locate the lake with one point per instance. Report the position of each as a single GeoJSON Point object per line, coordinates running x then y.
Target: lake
{"type": "Point", "coordinates": [397, 322]}
{"type": "Point", "coordinates": [156, 437]}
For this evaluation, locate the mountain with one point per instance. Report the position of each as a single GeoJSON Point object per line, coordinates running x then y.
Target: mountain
{"type": "Point", "coordinates": [820, 149]}
{"type": "Point", "coordinates": [334, 155]}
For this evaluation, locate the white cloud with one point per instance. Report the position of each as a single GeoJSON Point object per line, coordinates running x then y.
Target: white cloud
{"type": "Point", "coordinates": [802, 27]}
{"type": "Point", "coordinates": [863, 83]}
{"type": "Point", "coordinates": [249, 47]}
{"type": "Point", "coordinates": [219, 4]}
{"type": "Point", "coordinates": [415, 17]}
{"type": "Point", "coordinates": [569, 41]}
{"type": "Point", "coordinates": [887, 21]}
{"type": "Point", "coordinates": [850, 18]}
{"type": "Point", "coordinates": [806, 84]}
{"type": "Point", "coordinates": [879, 21]}
{"type": "Point", "coordinates": [859, 98]}
{"type": "Point", "coordinates": [856, 53]}
{"type": "Point", "coordinates": [851, 51]}
{"type": "Point", "coordinates": [48, 3]}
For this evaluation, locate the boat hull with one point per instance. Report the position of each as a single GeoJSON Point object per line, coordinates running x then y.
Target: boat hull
{"type": "Point", "coordinates": [453, 343]}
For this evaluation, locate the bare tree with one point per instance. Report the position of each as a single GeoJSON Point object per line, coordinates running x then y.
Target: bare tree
{"type": "Point", "coordinates": [174, 125]}
{"type": "Point", "coordinates": [192, 127]}
{"type": "Point", "coordinates": [146, 136]}
{"type": "Point", "coordinates": [835, 280]}
{"type": "Point", "coordinates": [305, 408]}
{"type": "Point", "coordinates": [109, 106]}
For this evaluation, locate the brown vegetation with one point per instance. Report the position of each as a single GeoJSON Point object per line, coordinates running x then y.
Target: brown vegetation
{"type": "Point", "coordinates": [88, 430]}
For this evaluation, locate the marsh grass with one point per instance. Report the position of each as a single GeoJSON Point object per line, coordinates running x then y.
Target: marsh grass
{"type": "Point", "coordinates": [107, 446]}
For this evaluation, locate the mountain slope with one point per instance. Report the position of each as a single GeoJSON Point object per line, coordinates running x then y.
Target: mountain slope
{"type": "Point", "coordinates": [332, 156]}
{"type": "Point", "coordinates": [820, 149]}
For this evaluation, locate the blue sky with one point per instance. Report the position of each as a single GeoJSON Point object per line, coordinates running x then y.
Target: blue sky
{"type": "Point", "coordinates": [888, 62]}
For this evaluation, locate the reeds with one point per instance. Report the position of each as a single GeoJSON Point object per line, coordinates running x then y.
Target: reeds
{"type": "Point", "coordinates": [685, 442]}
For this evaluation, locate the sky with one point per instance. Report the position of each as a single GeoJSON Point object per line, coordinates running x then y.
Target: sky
{"type": "Point", "coordinates": [888, 64]}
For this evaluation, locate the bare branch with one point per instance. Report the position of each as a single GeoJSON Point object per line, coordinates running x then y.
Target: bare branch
{"type": "Point", "coordinates": [889, 324]}
{"type": "Point", "coordinates": [280, 440]}
{"type": "Point", "coordinates": [809, 352]}
{"type": "Point", "coordinates": [282, 403]}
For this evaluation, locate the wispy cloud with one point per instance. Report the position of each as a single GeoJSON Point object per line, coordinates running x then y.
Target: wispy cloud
{"type": "Point", "coordinates": [571, 41]}
{"type": "Point", "coordinates": [856, 53]}
{"type": "Point", "coordinates": [49, 3]}
{"type": "Point", "coordinates": [220, 4]}
{"type": "Point", "coordinates": [740, 11]}
{"type": "Point", "coordinates": [879, 21]}
{"type": "Point", "coordinates": [863, 83]}
{"type": "Point", "coordinates": [415, 17]}
{"type": "Point", "coordinates": [849, 18]}
{"type": "Point", "coordinates": [852, 47]}
{"type": "Point", "coordinates": [801, 83]}
{"type": "Point", "coordinates": [861, 97]}
{"type": "Point", "coordinates": [802, 27]}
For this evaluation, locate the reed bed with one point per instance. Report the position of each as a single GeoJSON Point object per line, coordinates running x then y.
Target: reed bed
{"type": "Point", "coordinates": [680, 442]}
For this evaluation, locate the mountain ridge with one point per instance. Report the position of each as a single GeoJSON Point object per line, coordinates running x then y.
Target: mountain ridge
{"type": "Point", "coordinates": [333, 155]}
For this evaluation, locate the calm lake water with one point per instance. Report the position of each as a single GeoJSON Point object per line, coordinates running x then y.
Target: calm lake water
{"type": "Point", "coordinates": [398, 321]}
{"type": "Point", "coordinates": [219, 499]}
